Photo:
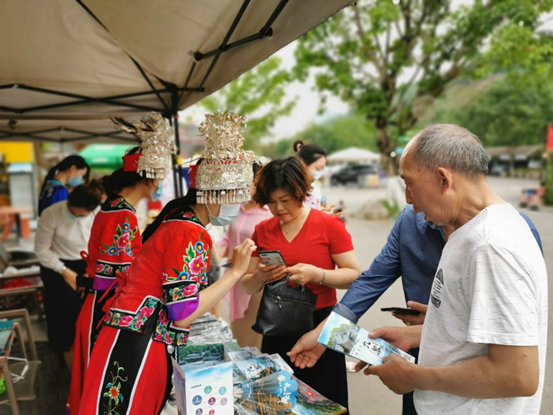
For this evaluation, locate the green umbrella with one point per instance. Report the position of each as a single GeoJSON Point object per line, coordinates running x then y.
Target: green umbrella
{"type": "Point", "coordinates": [104, 156]}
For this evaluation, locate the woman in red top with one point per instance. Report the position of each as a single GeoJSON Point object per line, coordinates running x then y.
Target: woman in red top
{"type": "Point", "coordinates": [318, 252]}
{"type": "Point", "coordinates": [113, 245]}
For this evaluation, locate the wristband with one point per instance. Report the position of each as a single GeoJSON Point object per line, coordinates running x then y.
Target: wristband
{"type": "Point", "coordinates": [324, 277]}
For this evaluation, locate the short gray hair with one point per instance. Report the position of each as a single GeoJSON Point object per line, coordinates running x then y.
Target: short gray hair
{"type": "Point", "coordinates": [450, 146]}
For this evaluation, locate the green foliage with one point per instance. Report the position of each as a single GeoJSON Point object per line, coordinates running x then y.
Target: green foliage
{"type": "Point", "coordinates": [386, 60]}
{"type": "Point", "coordinates": [500, 112]}
{"type": "Point", "coordinates": [549, 181]}
{"type": "Point", "coordinates": [392, 209]}
{"type": "Point", "coordinates": [332, 135]}
{"type": "Point", "coordinates": [259, 94]}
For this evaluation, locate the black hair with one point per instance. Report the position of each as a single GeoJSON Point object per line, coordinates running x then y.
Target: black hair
{"type": "Point", "coordinates": [65, 165]}
{"type": "Point", "coordinates": [120, 179]}
{"type": "Point", "coordinates": [86, 196]}
{"type": "Point", "coordinates": [186, 201]}
{"type": "Point", "coordinates": [289, 174]}
{"type": "Point", "coordinates": [308, 153]}
{"type": "Point", "coordinates": [256, 167]}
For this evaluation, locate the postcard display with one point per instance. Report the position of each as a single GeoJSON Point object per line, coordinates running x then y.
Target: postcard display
{"type": "Point", "coordinates": [213, 375]}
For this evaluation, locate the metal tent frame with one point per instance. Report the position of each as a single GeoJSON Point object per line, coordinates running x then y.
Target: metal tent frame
{"type": "Point", "coordinates": [168, 108]}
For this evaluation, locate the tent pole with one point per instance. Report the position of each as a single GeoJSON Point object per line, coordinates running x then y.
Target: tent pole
{"type": "Point", "coordinates": [225, 40]}
{"type": "Point", "coordinates": [145, 76]}
{"type": "Point", "coordinates": [175, 171]}
{"type": "Point", "coordinates": [83, 100]}
{"type": "Point", "coordinates": [179, 166]}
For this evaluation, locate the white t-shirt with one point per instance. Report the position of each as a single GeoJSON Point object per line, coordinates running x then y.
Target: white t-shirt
{"type": "Point", "coordinates": [59, 236]}
{"type": "Point", "coordinates": [490, 288]}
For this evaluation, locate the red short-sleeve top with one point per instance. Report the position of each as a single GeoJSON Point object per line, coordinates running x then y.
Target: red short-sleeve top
{"type": "Point", "coordinates": [321, 236]}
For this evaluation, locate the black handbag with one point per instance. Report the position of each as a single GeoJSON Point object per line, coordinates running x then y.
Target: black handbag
{"type": "Point", "coordinates": [285, 311]}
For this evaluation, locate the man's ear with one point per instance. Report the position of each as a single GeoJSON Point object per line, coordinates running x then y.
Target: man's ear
{"type": "Point", "coordinates": [446, 179]}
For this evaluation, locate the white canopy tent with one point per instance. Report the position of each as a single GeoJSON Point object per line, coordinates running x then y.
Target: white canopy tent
{"type": "Point", "coordinates": [67, 66]}
{"type": "Point", "coordinates": [353, 155]}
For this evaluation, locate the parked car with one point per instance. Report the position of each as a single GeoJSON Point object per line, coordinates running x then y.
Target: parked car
{"type": "Point", "coordinates": [499, 170]}
{"type": "Point", "coordinates": [355, 174]}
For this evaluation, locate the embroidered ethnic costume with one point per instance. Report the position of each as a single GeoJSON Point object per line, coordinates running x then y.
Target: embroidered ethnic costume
{"type": "Point", "coordinates": [162, 287]}
{"type": "Point", "coordinates": [114, 241]}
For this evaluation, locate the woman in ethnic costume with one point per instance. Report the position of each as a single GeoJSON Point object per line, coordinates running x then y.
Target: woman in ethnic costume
{"type": "Point", "coordinates": [115, 239]}
{"type": "Point", "coordinates": [166, 288]}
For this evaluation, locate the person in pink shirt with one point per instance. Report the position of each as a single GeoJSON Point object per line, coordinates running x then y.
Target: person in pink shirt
{"type": "Point", "coordinates": [243, 307]}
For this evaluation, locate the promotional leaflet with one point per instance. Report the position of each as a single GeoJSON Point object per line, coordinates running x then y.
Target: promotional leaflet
{"type": "Point", "coordinates": [346, 337]}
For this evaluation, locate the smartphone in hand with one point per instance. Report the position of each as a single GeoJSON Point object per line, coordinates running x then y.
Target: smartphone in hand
{"type": "Point", "coordinates": [272, 258]}
{"type": "Point", "coordinates": [400, 310]}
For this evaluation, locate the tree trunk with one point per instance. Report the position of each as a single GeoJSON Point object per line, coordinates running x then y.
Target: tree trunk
{"type": "Point", "coordinates": [390, 164]}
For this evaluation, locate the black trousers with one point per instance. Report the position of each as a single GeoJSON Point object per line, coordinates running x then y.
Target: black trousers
{"type": "Point", "coordinates": [408, 404]}
{"type": "Point", "coordinates": [331, 365]}
{"type": "Point", "coordinates": [62, 305]}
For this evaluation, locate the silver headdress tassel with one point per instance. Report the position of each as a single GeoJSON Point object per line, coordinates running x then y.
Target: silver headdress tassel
{"type": "Point", "coordinates": [158, 144]}
{"type": "Point", "coordinates": [225, 173]}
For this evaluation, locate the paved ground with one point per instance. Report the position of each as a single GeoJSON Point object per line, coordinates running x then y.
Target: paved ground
{"type": "Point", "coordinates": [367, 394]}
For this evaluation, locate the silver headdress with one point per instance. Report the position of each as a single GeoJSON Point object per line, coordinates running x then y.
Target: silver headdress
{"type": "Point", "coordinates": [225, 173]}
{"type": "Point", "coordinates": [158, 144]}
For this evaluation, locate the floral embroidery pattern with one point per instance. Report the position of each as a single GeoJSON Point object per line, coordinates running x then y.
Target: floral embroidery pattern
{"type": "Point", "coordinates": [105, 269]}
{"type": "Point", "coordinates": [169, 335]}
{"type": "Point", "coordinates": [120, 203]}
{"type": "Point", "coordinates": [134, 322]}
{"type": "Point", "coordinates": [114, 390]}
{"type": "Point", "coordinates": [194, 264]}
{"type": "Point", "coordinates": [121, 240]}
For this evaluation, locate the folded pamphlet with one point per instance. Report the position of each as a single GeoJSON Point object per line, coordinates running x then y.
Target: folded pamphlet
{"type": "Point", "coordinates": [346, 337]}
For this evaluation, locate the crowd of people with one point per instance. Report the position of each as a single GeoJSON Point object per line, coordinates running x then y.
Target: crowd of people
{"type": "Point", "coordinates": [119, 302]}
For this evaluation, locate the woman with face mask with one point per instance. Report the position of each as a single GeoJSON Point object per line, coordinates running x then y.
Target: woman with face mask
{"type": "Point", "coordinates": [63, 231]}
{"type": "Point", "coordinates": [314, 158]}
{"type": "Point", "coordinates": [166, 287]}
{"type": "Point", "coordinates": [243, 307]}
{"type": "Point", "coordinates": [114, 243]}
{"type": "Point", "coordinates": [318, 253]}
{"type": "Point", "coordinates": [72, 171]}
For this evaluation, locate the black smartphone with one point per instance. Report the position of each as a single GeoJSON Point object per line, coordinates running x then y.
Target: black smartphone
{"type": "Point", "coordinates": [400, 310]}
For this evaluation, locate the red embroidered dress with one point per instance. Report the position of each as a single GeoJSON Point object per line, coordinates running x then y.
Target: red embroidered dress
{"type": "Point", "coordinates": [130, 370]}
{"type": "Point", "coordinates": [114, 242]}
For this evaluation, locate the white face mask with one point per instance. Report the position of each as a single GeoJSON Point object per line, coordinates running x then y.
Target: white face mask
{"type": "Point", "coordinates": [317, 174]}
{"type": "Point", "coordinates": [228, 213]}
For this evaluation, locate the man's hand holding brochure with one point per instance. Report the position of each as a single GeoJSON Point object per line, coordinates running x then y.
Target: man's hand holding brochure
{"type": "Point", "coordinates": [344, 336]}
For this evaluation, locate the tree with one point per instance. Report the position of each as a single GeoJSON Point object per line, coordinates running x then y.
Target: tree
{"type": "Point", "coordinates": [351, 130]}
{"type": "Point", "coordinates": [549, 181]}
{"type": "Point", "coordinates": [389, 59]}
{"type": "Point", "coordinates": [258, 94]}
{"type": "Point", "coordinates": [502, 114]}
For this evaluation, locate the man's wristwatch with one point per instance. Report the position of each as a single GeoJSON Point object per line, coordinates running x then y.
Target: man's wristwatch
{"type": "Point", "coordinates": [62, 269]}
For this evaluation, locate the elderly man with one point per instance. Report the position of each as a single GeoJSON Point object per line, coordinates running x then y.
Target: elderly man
{"type": "Point", "coordinates": [485, 332]}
